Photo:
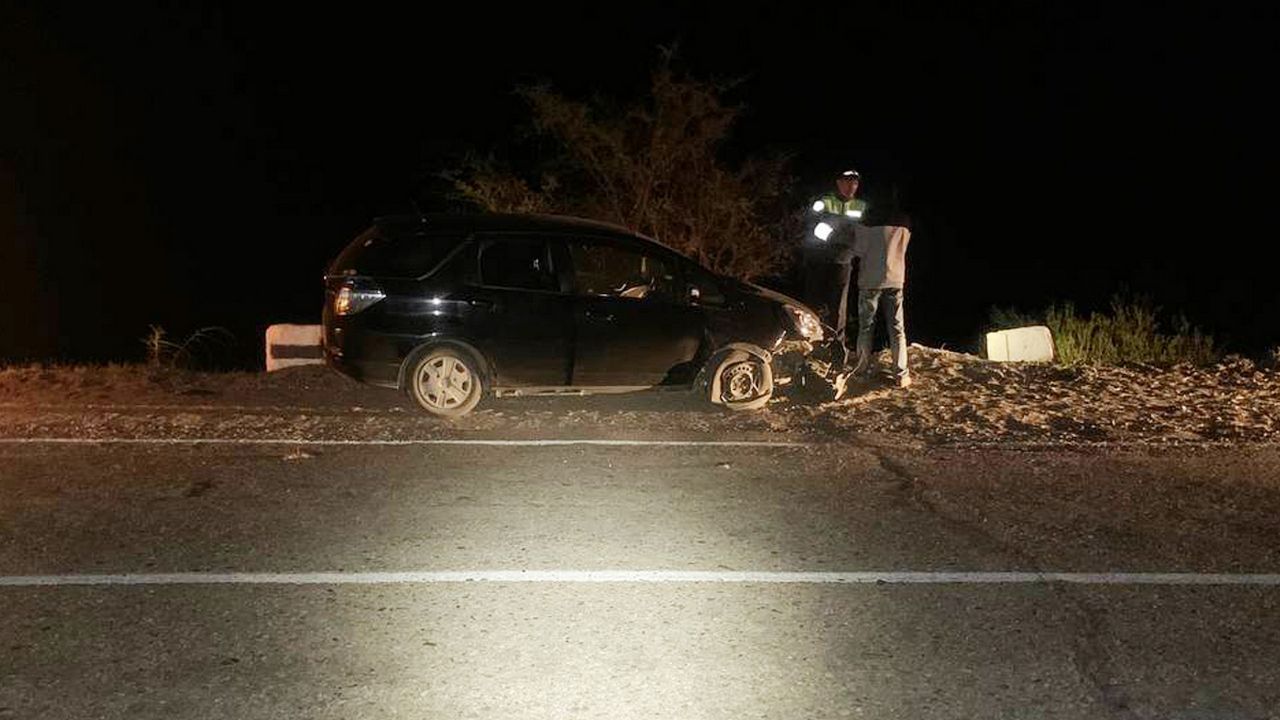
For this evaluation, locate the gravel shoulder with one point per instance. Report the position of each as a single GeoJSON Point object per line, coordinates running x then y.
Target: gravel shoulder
{"type": "Point", "coordinates": [957, 400]}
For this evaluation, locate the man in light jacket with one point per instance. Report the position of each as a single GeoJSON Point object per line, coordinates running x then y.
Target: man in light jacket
{"type": "Point", "coordinates": [880, 247]}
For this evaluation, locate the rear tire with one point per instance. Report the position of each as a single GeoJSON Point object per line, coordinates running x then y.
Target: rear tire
{"type": "Point", "coordinates": [446, 382]}
{"type": "Point", "coordinates": [745, 382]}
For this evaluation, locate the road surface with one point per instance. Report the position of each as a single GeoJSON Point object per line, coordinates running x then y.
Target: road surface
{"type": "Point", "coordinates": [255, 579]}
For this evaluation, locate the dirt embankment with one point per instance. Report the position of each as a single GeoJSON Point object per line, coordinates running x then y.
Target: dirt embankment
{"type": "Point", "coordinates": [959, 398]}
{"type": "Point", "coordinates": [956, 398]}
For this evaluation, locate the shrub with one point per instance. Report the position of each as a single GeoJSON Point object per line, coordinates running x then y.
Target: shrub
{"type": "Point", "coordinates": [1130, 333]}
{"type": "Point", "coordinates": [1271, 359]}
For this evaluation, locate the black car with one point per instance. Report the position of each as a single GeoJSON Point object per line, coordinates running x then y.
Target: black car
{"type": "Point", "coordinates": [451, 307]}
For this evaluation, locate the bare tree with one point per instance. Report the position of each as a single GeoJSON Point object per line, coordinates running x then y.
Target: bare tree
{"type": "Point", "coordinates": [481, 182]}
{"type": "Point", "coordinates": [653, 166]}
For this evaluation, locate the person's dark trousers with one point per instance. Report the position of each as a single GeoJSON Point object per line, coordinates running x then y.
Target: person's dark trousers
{"type": "Point", "coordinates": [817, 282]}
{"type": "Point", "coordinates": [826, 290]}
{"type": "Point", "coordinates": [838, 298]}
{"type": "Point", "coordinates": [816, 278]}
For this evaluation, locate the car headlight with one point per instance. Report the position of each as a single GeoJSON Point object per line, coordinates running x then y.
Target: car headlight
{"type": "Point", "coordinates": [807, 324]}
{"type": "Point", "coordinates": [823, 231]}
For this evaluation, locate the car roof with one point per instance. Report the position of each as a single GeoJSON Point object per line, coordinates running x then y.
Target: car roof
{"type": "Point", "coordinates": [502, 222]}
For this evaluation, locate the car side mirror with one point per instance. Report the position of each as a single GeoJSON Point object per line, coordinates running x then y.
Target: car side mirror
{"type": "Point", "coordinates": [708, 297]}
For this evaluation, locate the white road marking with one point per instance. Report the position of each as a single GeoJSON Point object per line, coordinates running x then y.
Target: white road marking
{"type": "Point", "coordinates": [645, 576]}
{"type": "Point", "coordinates": [434, 441]}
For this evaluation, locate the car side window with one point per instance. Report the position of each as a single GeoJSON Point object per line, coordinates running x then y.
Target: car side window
{"type": "Point", "coordinates": [517, 263]}
{"type": "Point", "coordinates": [604, 269]}
{"type": "Point", "coordinates": [703, 289]}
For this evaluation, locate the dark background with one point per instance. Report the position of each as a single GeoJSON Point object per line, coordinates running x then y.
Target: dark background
{"type": "Point", "coordinates": [199, 166]}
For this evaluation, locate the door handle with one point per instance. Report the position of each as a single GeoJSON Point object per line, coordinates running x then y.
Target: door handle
{"type": "Point", "coordinates": [482, 304]}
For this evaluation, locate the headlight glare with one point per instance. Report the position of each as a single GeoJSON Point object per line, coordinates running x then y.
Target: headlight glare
{"type": "Point", "coordinates": [807, 324]}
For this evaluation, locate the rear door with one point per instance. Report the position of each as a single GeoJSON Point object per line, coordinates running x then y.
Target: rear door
{"type": "Point", "coordinates": [519, 312]}
{"type": "Point", "coordinates": [634, 325]}
{"type": "Point", "coordinates": [399, 263]}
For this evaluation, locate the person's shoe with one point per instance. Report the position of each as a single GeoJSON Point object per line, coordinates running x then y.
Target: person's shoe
{"type": "Point", "coordinates": [904, 381]}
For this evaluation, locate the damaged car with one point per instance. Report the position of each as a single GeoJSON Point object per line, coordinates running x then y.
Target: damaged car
{"type": "Point", "coordinates": [454, 308]}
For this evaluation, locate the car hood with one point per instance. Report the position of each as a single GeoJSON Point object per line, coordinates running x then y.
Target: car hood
{"type": "Point", "coordinates": [764, 293]}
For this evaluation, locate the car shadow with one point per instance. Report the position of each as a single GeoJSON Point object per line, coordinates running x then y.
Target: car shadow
{"type": "Point", "coordinates": [660, 400]}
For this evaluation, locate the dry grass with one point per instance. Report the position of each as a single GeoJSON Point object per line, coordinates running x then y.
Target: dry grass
{"type": "Point", "coordinates": [197, 351]}
{"type": "Point", "coordinates": [86, 382]}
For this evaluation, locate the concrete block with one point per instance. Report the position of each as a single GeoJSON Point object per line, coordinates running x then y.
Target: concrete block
{"type": "Point", "coordinates": [290, 345]}
{"type": "Point", "coordinates": [1024, 344]}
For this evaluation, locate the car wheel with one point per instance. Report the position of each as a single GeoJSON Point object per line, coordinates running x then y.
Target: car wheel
{"type": "Point", "coordinates": [446, 382]}
{"type": "Point", "coordinates": [742, 382]}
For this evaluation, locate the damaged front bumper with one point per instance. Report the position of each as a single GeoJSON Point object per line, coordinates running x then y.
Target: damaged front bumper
{"type": "Point", "coordinates": [808, 370]}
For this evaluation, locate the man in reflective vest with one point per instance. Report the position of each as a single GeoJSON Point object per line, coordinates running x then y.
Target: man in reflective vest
{"type": "Point", "coordinates": [828, 253]}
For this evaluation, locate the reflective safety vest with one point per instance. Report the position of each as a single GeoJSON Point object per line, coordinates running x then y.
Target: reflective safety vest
{"type": "Point", "coordinates": [833, 204]}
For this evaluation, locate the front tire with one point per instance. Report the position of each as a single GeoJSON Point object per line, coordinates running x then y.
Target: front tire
{"type": "Point", "coordinates": [446, 382]}
{"type": "Point", "coordinates": [741, 382]}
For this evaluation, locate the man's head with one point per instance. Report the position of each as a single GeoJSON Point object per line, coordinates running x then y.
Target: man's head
{"type": "Point", "coordinates": [847, 183]}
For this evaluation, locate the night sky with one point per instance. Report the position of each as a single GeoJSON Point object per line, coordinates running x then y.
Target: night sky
{"type": "Point", "coordinates": [190, 167]}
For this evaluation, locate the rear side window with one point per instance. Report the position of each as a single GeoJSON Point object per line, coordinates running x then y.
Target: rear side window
{"type": "Point", "coordinates": [519, 263]}
{"type": "Point", "coordinates": [379, 253]}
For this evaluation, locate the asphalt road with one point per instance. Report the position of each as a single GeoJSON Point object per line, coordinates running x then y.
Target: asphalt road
{"type": "Point", "coordinates": [556, 643]}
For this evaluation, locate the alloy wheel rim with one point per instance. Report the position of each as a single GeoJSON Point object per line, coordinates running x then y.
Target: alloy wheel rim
{"type": "Point", "coordinates": [445, 382]}
{"type": "Point", "coordinates": [740, 382]}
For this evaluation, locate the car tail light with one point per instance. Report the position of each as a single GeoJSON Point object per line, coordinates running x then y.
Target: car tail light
{"type": "Point", "coordinates": [352, 298]}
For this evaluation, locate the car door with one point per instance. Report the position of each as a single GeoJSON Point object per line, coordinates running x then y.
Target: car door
{"type": "Point", "coordinates": [634, 325]}
{"type": "Point", "coordinates": [519, 309]}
